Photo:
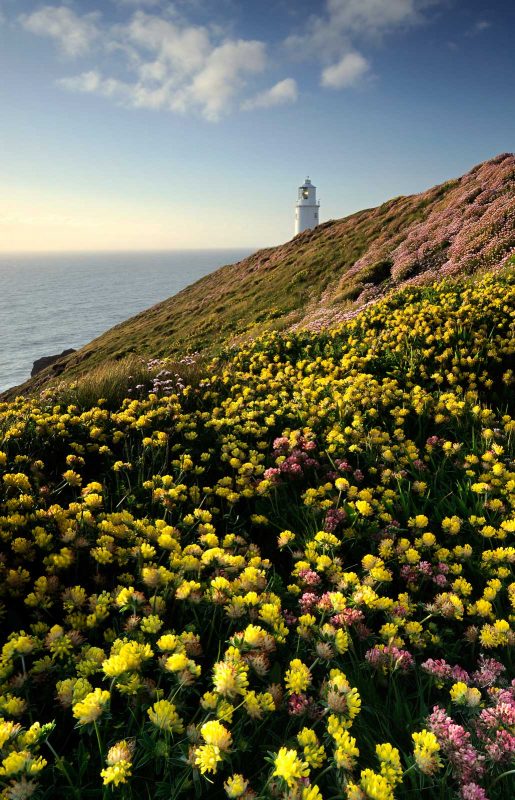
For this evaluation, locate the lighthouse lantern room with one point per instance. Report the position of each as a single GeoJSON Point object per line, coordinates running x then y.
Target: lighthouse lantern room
{"type": "Point", "coordinates": [307, 208]}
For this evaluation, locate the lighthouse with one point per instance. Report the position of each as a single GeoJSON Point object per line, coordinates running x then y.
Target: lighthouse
{"type": "Point", "coordinates": [306, 210]}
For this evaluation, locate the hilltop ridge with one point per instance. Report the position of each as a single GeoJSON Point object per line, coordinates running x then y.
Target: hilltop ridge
{"type": "Point", "coordinates": [324, 275]}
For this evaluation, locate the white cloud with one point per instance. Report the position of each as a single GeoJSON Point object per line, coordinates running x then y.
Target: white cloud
{"type": "Point", "coordinates": [285, 91]}
{"type": "Point", "coordinates": [222, 75]}
{"type": "Point", "coordinates": [346, 73]}
{"type": "Point", "coordinates": [73, 33]}
{"type": "Point", "coordinates": [176, 66]}
{"type": "Point", "coordinates": [330, 33]}
{"type": "Point", "coordinates": [85, 82]}
{"type": "Point", "coordinates": [181, 48]}
{"type": "Point", "coordinates": [93, 82]}
{"type": "Point", "coordinates": [373, 16]}
{"type": "Point", "coordinates": [330, 36]}
{"type": "Point", "coordinates": [157, 59]}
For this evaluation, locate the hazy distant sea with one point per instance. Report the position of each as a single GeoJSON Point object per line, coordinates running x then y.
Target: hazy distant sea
{"type": "Point", "coordinates": [51, 302]}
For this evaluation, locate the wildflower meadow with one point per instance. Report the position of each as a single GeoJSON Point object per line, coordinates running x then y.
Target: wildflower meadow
{"type": "Point", "coordinates": [290, 578]}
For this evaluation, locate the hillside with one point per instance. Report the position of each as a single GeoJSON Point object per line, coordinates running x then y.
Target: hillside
{"type": "Point", "coordinates": [324, 275]}
{"type": "Point", "coordinates": [292, 580]}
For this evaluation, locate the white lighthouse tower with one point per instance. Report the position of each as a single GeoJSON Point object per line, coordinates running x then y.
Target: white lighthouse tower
{"type": "Point", "coordinates": [306, 210]}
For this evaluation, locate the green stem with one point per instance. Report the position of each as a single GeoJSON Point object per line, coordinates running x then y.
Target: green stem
{"type": "Point", "coordinates": [99, 740]}
{"type": "Point", "coordinates": [61, 766]}
{"type": "Point", "coordinates": [503, 775]}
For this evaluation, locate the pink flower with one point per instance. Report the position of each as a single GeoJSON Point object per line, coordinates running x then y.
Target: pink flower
{"type": "Point", "coordinates": [466, 762]}
{"type": "Point", "coordinates": [488, 672]}
{"type": "Point", "coordinates": [472, 791]}
{"type": "Point", "coordinates": [347, 617]}
{"type": "Point", "coordinates": [308, 601]}
{"type": "Point", "coordinates": [389, 658]}
{"type": "Point", "coordinates": [298, 704]}
{"type": "Point", "coordinates": [310, 577]}
{"type": "Point", "coordinates": [333, 518]}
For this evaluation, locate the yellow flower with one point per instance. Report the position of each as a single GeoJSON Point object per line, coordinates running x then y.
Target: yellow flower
{"type": "Point", "coordinates": [390, 761]}
{"type": "Point", "coordinates": [207, 757]}
{"type": "Point", "coordinates": [364, 508]}
{"type": "Point", "coordinates": [463, 695]}
{"type": "Point", "coordinates": [230, 679]}
{"type": "Point", "coordinates": [8, 729]}
{"type": "Point", "coordinates": [297, 678]}
{"type": "Point", "coordinates": [235, 786]}
{"type": "Point", "coordinates": [289, 767]}
{"type": "Point", "coordinates": [167, 642]}
{"type": "Point", "coordinates": [346, 751]}
{"type": "Point", "coordinates": [426, 752]}
{"type": "Point", "coordinates": [177, 662]}
{"type": "Point", "coordinates": [151, 624]}
{"type": "Point", "coordinates": [164, 716]}
{"type": "Point", "coordinates": [126, 656]}
{"type": "Point", "coordinates": [451, 524]}
{"type": "Point", "coordinates": [213, 732]}
{"type": "Point", "coordinates": [91, 708]}
{"type": "Point", "coordinates": [72, 478]}
{"type": "Point", "coordinates": [314, 752]}
{"type": "Point", "coordinates": [21, 761]}
{"type": "Point", "coordinates": [371, 785]}
{"type": "Point", "coordinates": [420, 521]}
{"type": "Point", "coordinates": [117, 773]}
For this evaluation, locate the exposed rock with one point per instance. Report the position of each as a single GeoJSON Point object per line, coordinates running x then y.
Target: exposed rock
{"type": "Point", "coordinates": [46, 361]}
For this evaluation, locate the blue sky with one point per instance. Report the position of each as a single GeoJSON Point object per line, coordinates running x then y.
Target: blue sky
{"type": "Point", "coordinates": [135, 124]}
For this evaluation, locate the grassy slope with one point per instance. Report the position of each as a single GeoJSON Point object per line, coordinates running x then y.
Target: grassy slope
{"type": "Point", "coordinates": [321, 275]}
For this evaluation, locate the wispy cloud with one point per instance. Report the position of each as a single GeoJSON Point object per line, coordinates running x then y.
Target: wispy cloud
{"type": "Point", "coordinates": [332, 36]}
{"type": "Point", "coordinates": [480, 26]}
{"type": "Point", "coordinates": [73, 33]}
{"type": "Point", "coordinates": [285, 91]}
{"type": "Point", "coordinates": [138, 3]}
{"type": "Point", "coordinates": [92, 81]}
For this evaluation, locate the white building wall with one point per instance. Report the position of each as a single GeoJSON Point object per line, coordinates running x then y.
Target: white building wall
{"type": "Point", "coordinates": [306, 217]}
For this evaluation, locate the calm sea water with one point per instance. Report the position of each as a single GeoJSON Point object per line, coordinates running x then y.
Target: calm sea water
{"type": "Point", "coordinates": [51, 302]}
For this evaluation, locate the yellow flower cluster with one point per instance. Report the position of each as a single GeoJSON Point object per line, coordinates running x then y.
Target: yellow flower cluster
{"type": "Point", "coordinates": [262, 581]}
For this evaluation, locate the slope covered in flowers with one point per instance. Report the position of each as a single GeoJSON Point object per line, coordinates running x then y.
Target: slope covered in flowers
{"type": "Point", "coordinates": [294, 580]}
{"type": "Point", "coordinates": [324, 275]}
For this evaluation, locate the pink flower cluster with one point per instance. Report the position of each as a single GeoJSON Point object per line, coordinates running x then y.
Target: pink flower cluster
{"type": "Point", "coordinates": [492, 729]}
{"type": "Point", "coordinates": [298, 704]}
{"type": "Point", "coordinates": [472, 791]}
{"type": "Point", "coordinates": [292, 461]}
{"type": "Point", "coordinates": [442, 671]}
{"type": "Point", "coordinates": [310, 577]}
{"type": "Point", "coordinates": [458, 227]}
{"type": "Point", "coordinates": [348, 617]}
{"type": "Point", "coordinates": [413, 573]}
{"type": "Point", "coordinates": [487, 674]}
{"type": "Point", "coordinates": [308, 602]}
{"type": "Point", "coordinates": [496, 725]}
{"type": "Point", "coordinates": [466, 762]}
{"type": "Point", "coordinates": [389, 658]}
{"type": "Point", "coordinates": [333, 518]}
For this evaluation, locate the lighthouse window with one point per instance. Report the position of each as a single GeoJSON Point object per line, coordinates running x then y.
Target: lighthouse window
{"type": "Point", "coordinates": [305, 194]}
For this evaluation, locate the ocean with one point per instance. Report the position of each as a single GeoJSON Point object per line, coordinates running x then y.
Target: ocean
{"type": "Point", "coordinates": [51, 302]}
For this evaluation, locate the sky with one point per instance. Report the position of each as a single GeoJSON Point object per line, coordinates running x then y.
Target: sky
{"type": "Point", "coordinates": [145, 124]}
